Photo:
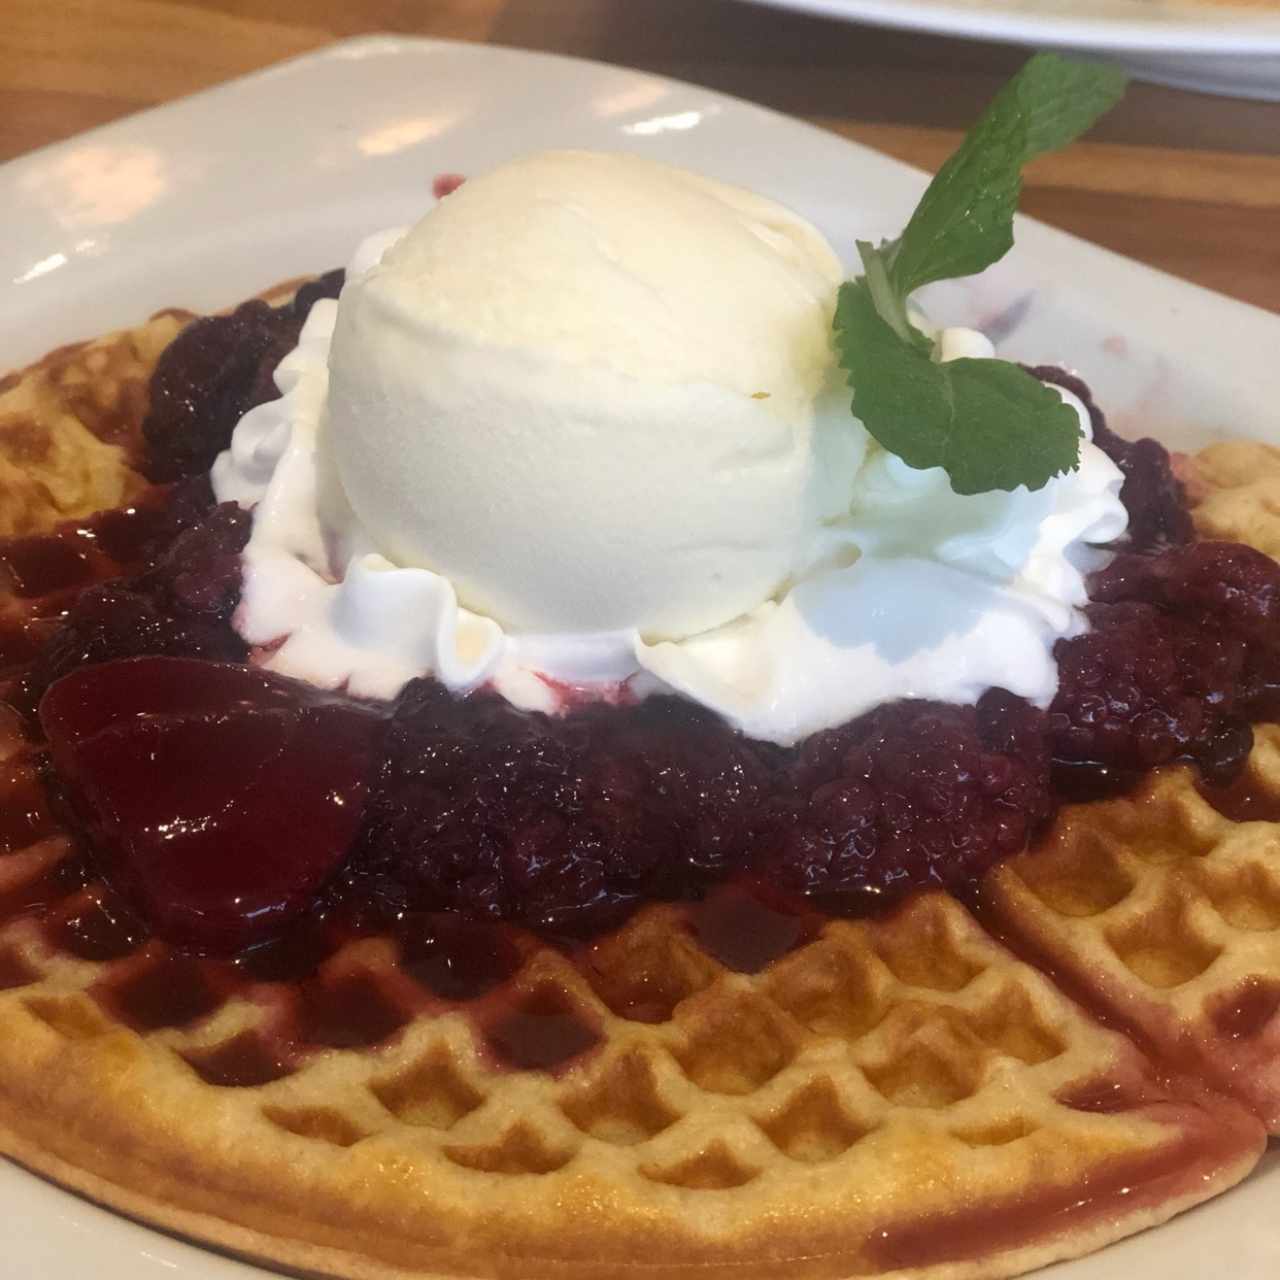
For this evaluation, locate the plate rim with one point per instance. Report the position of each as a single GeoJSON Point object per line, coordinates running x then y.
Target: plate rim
{"type": "Point", "coordinates": [392, 44]}
{"type": "Point", "coordinates": [1247, 35]}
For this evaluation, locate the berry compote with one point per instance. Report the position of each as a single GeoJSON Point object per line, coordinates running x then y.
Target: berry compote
{"type": "Point", "coordinates": [229, 809]}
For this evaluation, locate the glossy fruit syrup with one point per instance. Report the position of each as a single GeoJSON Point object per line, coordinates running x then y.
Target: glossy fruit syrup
{"type": "Point", "coordinates": [217, 798]}
{"type": "Point", "coordinates": [238, 814]}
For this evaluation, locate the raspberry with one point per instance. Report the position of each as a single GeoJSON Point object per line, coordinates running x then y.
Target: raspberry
{"type": "Point", "coordinates": [558, 822]}
{"type": "Point", "coordinates": [1229, 591]}
{"type": "Point", "coordinates": [567, 823]}
{"type": "Point", "coordinates": [1144, 687]}
{"type": "Point", "coordinates": [215, 371]}
{"type": "Point", "coordinates": [1220, 584]}
{"type": "Point", "coordinates": [1151, 493]}
{"type": "Point", "coordinates": [911, 794]}
{"type": "Point", "coordinates": [181, 605]}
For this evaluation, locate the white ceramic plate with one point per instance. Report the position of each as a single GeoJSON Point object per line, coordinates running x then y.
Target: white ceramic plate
{"type": "Point", "coordinates": [1216, 48]}
{"type": "Point", "coordinates": [208, 200]}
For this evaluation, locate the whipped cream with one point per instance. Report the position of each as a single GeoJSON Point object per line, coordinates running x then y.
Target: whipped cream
{"type": "Point", "coordinates": [914, 591]}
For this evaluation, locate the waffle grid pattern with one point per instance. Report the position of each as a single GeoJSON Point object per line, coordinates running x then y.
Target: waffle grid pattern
{"type": "Point", "coordinates": [1171, 912]}
{"type": "Point", "coordinates": [910, 1062]}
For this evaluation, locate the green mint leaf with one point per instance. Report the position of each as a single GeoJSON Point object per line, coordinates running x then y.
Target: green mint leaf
{"type": "Point", "coordinates": [1062, 99]}
{"type": "Point", "coordinates": [889, 303]}
{"type": "Point", "coordinates": [988, 423]}
{"type": "Point", "coordinates": [964, 221]}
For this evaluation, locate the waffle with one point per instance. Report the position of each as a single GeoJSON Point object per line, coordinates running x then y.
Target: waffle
{"type": "Point", "coordinates": [1165, 905]}
{"type": "Point", "coordinates": [70, 427]}
{"type": "Point", "coordinates": [901, 1098]}
{"type": "Point", "coordinates": [71, 424]}
{"type": "Point", "coordinates": [713, 1090]}
{"type": "Point", "coordinates": [1169, 912]}
{"type": "Point", "coordinates": [1236, 485]}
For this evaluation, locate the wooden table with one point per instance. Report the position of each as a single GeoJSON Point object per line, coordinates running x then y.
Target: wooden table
{"type": "Point", "coordinates": [1187, 182]}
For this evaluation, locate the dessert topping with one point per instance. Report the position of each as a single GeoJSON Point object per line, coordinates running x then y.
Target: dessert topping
{"type": "Point", "coordinates": [218, 798]}
{"type": "Point", "coordinates": [987, 423]}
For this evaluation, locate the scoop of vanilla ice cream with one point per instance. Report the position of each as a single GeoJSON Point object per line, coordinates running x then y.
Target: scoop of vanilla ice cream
{"type": "Point", "coordinates": [595, 393]}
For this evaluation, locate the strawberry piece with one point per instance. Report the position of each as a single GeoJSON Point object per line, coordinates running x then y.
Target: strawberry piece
{"type": "Point", "coordinates": [218, 798]}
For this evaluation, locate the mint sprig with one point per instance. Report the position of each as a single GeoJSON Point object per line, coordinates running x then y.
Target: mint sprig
{"type": "Point", "coordinates": [988, 423]}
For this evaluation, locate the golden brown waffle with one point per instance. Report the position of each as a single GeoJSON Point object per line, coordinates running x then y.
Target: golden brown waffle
{"type": "Point", "coordinates": [1236, 485]}
{"type": "Point", "coordinates": [1163, 908]}
{"type": "Point", "coordinates": [897, 1098]}
{"type": "Point", "coordinates": [1168, 913]}
{"type": "Point", "coordinates": [70, 424]}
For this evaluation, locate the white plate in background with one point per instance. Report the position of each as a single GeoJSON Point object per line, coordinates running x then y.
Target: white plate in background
{"type": "Point", "coordinates": [205, 201]}
{"type": "Point", "coordinates": [1216, 48]}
